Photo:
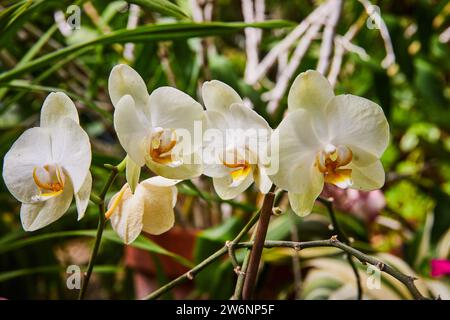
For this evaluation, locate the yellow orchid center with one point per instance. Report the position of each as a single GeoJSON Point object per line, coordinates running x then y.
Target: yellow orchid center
{"type": "Point", "coordinates": [50, 180]}
{"type": "Point", "coordinates": [330, 160]}
{"type": "Point", "coordinates": [241, 165]}
{"type": "Point", "coordinates": [161, 144]}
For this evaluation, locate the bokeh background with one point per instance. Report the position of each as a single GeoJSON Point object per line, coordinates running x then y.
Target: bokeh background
{"type": "Point", "coordinates": [406, 224]}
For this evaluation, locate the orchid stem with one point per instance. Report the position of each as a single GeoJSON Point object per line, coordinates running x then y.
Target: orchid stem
{"type": "Point", "coordinates": [256, 252]}
{"type": "Point", "coordinates": [341, 234]}
{"type": "Point", "coordinates": [100, 201]}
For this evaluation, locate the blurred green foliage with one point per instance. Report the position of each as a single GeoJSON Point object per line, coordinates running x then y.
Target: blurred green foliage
{"type": "Point", "coordinates": [35, 58]}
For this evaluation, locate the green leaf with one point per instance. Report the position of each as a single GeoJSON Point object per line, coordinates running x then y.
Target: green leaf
{"type": "Point", "coordinates": [8, 275]}
{"type": "Point", "coordinates": [162, 6]}
{"type": "Point", "coordinates": [141, 242]}
{"type": "Point", "coordinates": [166, 31]}
{"type": "Point", "coordinates": [25, 85]}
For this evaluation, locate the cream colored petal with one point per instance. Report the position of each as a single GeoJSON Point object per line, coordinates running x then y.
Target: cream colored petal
{"type": "Point", "coordinates": [188, 170]}
{"type": "Point", "coordinates": [219, 96]}
{"type": "Point", "coordinates": [214, 142]}
{"type": "Point", "coordinates": [131, 130]}
{"type": "Point", "coordinates": [224, 189]}
{"type": "Point", "coordinates": [38, 215]}
{"type": "Point", "coordinates": [310, 91]}
{"type": "Point", "coordinates": [359, 122]}
{"type": "Point", "coordinates": [367, 178]}
{"type": "Point", "coordinates": [32, 149]}
{"type": "Point", "coordinates": [261, 178]}
{"type": "Point", "coordinates": [294, 147]}
{"type": "Point", "coordinates": [132, 173]}
{"type": "Point", "coordinates": [245, 118]}
{"type": "Point", "coordinates": [71, 150]}
{"type": "Point", "coordinates": [159, 181]}
{"type": "Point", "coordinates": [124, 80]}
{"type": "Point", "coordinates": [174, 109]}
{"type": "Point", "coordinates": [158, 195]}
{"type": "Point", "coordinates": [302, 203]}
{"type": "Point", "coordinates": [83, 195]}
{"type": "Point", "coordinates": [126, 219]}
{"type": "Point", "coordinates": [57, 106]}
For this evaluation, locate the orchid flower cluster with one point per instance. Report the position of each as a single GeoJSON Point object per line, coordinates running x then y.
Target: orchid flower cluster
{"type": "Point", "coordinates": [323, 139]}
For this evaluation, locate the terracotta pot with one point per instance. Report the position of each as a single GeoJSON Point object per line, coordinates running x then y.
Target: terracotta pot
{"type": "Point", "coordinates": [180, 241]}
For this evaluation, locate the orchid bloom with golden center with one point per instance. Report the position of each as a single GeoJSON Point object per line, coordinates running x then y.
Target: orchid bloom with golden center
{"type": "Point", "coordinates": [327, 139]}
{"type": "Point", "coordinates": [48, 165]}
{"type": "Point", "coordinates": [148, 209]}
{"type": "Point", "coordinates": [155, 129]}
{"type": "Point", "coordinates": [235, 142]}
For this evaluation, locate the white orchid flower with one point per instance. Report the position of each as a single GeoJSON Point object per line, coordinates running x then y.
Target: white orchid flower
{"type": "Point", "coordinates": [235, 142]}
{"type": "Point", "coordinates": [149, 208]}
{"type": "Point", "coordinates": [328, 138]}
{"type": "Point", "coordinates": [156, 129]}
{"type": "Point", "coordinates": [48, 165]}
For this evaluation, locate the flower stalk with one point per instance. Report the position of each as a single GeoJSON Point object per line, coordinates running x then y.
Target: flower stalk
{"type": "Point", "coordinates": [100, 201]}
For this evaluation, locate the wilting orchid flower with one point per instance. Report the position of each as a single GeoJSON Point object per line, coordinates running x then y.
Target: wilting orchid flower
{"type": "Point", "coordinates": [149, 209]}
{"type": "Point", "coordinates": [49, 164]}
{"type": "Point", "coordinates": [156, 129]}
{"type": "Point", "coordinates": [328, 138]}
{"type": "Point", "coordinates": [235, 142]}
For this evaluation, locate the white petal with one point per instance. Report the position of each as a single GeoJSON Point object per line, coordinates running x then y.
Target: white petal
{"type": "Point", "coordinates": [214, 144]}
{"type": "Point", "coordinates": [262, 180]}
{"type": "Point", "coordinates": [172, 108]}
{"type": "Point", "coordinates": [359, 122]}
{"type": "Point", "coordinates": [35, 216]}
{"type": "Point", "coordinates": [158, 197]}
{"type": "Point", "coordinates": [159, 181]}
{"type": "Point", "coordinates": [225, 191]}
{"type": "Point", "coordinates": [126, 219]}
{"type": "Point", "coordinates": [367, 178]}
{"type": "Point", "coordinates": [182, 171]}
{"type": "Point", "coordinates": [32, 149]}
{"type": "Point", "coordinates": [302, 203]}
{"type": "Point", "coordinates": [247, 119]}
{"type": "Point", "coordinates": [124, 80]}
{"type": "Point", "coordinates": [132, 173]}
{"type": "Point", "coordinates": [294, 147]}
{"type": "Point", "coordinates": [219, 96]}
{"type": "Point", "coordinates": [71, 149]}
{"type": "Point", "coordinates": [131, 130]}
{"type": "Point", "coordinates": [310, 91]}
{"type": "Point", "coordinates": [57, 106]}
{"type": "Point", "coordinates": [83, 195]}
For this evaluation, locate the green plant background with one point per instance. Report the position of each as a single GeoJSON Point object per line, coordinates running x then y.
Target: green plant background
{"type": "Point", "coordinates": [35, 59]}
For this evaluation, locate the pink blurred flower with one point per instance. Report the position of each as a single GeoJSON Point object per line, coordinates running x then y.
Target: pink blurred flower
{"type": "Point", "coordinates": [365, 205]}
{"type": "Point", "coordinates": [440, 267]}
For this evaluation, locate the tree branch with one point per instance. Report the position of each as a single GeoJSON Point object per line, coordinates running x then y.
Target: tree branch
{"type": "Point", "coordinates": [408, 281]}
{"type": "Point", "coordinates": [341, 234]}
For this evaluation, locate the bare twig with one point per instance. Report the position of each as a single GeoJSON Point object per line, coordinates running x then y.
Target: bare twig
{"type": "Point", "coordinates": [341, 234]}
{"type": "Point", "coordinates": [284, 45]}
{"type": "Point", "coordinates": [384, 32]}
{"type": "Point", "coordinates": [329, 33]}
{"type": "Point", "coordinates": [277, 93]}
{"type": "Point", "coordinates": [408, 281]}
{"type": "Point", "coordinates": [340, 49]}
{"type": "Point", "coordinates": [133, 19]}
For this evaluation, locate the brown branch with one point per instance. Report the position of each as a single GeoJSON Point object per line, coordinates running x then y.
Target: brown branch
{"type": "Point", "coordinates": [255, 255]}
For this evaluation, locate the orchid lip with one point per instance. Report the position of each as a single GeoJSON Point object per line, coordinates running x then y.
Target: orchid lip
{"type": "Point", "coordinates": [331, 161]}
{"type": "Point", "coordinates": [50, 187]}
{"type": "Point", "coordinates": [162, 142]}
